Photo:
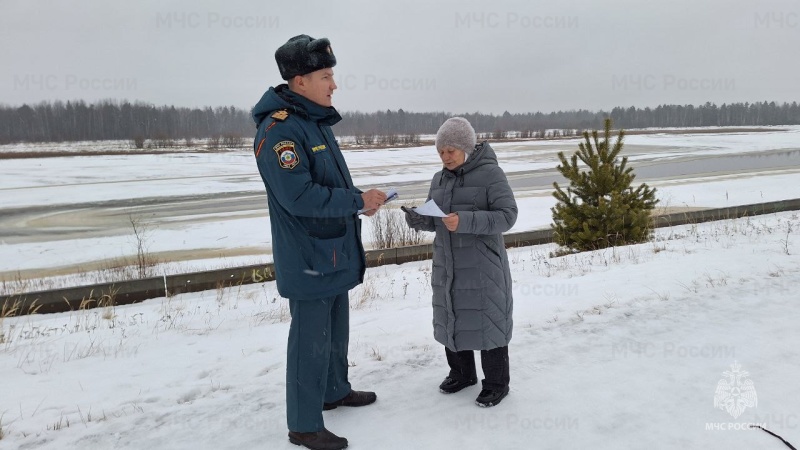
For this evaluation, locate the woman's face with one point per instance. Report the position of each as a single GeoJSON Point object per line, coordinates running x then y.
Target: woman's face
{"type": "Point", "coordinates": [452, 157]}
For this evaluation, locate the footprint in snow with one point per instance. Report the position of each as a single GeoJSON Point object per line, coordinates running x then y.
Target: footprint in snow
{"type": "Point", "coordinates": [190, 396]}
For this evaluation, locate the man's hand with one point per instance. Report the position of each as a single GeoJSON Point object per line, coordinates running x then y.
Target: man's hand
{"type": "Point", "coordinates": [451, 221]}
{"type": "Point", "coordinates": [373, 199]}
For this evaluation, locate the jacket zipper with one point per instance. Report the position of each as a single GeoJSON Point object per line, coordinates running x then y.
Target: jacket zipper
{"type": "Point", "coordinates": [335, 162]}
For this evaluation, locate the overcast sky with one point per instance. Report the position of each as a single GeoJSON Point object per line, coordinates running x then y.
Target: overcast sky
{"type": "Point", "coordinates": [464, 56]}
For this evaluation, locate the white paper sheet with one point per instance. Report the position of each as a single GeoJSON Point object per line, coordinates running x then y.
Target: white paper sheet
{"type": "Point", "coordinates": [430, 208]}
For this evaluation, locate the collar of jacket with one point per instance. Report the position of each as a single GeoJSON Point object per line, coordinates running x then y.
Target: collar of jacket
{"type": "Point", "coordinates": [325, 115]}
{"type": "Point", "coordinates": [483, 154]}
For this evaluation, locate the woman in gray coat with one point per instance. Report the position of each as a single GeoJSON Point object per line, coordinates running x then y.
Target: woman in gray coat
{"type": "Point", "coordinates": [471, 282]}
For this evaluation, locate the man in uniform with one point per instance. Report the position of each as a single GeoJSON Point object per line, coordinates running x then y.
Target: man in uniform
{"type": "Point", "coordinates": [316, 234]}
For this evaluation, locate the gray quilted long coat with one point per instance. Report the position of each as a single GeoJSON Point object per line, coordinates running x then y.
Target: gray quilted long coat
{"type": "Point", "coordinates": [471, 282]}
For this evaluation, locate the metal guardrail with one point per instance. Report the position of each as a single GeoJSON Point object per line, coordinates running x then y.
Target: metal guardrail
{"type": "Point", "coordinates": [128, 292]}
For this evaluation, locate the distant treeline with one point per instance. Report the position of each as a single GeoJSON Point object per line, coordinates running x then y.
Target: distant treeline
{"type": "Point", "coordinates": [734, 114]}
{"type": "Point", "coordinates": [79, 121]}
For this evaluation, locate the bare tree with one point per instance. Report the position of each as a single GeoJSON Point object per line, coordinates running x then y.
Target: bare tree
{"type": "Point", "coordinates": [138, 142]}
{"type": "Point", "coordinates": [214, 142]}
{"type": "Point", "coordinates": [144, 261]}
{"type": "Point", "coordinates": [230, 141]}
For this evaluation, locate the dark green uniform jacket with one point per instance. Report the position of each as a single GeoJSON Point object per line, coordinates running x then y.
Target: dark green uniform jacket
{"type": "Point", "coordinates": [313, 205]}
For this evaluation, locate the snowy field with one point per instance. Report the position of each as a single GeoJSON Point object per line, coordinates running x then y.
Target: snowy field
{"type": "Point", "coordinates": [63, 196]}
{"type": "Point", "coordinates": [616, 349]}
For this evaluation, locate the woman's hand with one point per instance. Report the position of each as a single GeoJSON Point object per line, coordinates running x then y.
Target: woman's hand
{"type": "Point", "coordinates": [451, 221]}
{"type": "Point", "coordinates": [413, 219]}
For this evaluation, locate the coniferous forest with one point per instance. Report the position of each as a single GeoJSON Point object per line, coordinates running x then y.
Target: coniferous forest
{"type": "Point", "coordinates": [80, 121]}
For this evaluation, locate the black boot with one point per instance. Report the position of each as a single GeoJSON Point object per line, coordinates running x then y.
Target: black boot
{"type": "Point", "coordinates": [452, 385]}
{"type": "Point", "coordinates": [489, 397]}
{"type": "Point", "coordinates": [495, 368]}
{"type": "Point", "coordinates": [462, 371]}
{"type": "Point", "coordinates": [354, 398]}
{"type": "Point", "coordinates": [320, 440]}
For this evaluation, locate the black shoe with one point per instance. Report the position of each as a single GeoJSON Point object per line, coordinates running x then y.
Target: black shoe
{"type": "Point", "coordinates": [452, 385]}
{"type": "Point", "coordinates": [354, 398]}
{"type": "Point", "coordinates": [320, 440]}
{"type": "Point", "coordinates": [490, 397]}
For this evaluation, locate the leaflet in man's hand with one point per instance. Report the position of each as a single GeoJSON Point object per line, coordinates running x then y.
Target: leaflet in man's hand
{"type": "Point", "coordinates": [391, 194]}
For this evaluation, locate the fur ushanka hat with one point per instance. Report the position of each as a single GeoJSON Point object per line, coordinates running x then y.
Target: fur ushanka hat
{"type": "Point", "coordinates": [303, 54]}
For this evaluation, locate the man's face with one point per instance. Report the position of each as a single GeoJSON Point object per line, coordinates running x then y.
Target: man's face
{"type": "Point", "coordinates": [452, 157]}
{"type": "Point", "coordinates": [317, 86]}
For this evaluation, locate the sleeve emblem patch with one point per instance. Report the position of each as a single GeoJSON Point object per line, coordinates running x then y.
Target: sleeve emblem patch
{"type": "Point", "coordinates": [287, 156]}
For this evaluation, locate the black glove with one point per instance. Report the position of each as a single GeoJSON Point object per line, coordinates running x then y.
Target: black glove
{"type": "Point", "coordinates": [413, 219]}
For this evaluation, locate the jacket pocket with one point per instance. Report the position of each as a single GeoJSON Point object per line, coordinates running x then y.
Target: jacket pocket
{"type": "Point", "coordinates": [329, 255]}
{"type": "Point", "coordinates": [492, 246]}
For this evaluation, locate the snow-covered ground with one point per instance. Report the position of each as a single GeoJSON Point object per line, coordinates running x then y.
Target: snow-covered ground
{"type": "Point", "coordinates": [244, 235]}
{"type": "Point", "coordinates": [614, 349]}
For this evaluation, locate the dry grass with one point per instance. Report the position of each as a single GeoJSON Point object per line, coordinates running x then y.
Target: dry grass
{"type": "Point", "coordinates": [785, 242]}
{"type": "Point", "coordinates": [7, 310]}
{"type": "Point", "coordinates": [88, 417]}
{"type": "Point", "coordinates": [108, 305]}
{"type": "Point", "coordinates": [366, 293]}
{"type": "Point", "coordinates": [275, 308]}
{"type": "Point", "coordinates": [62, 423]}
{"type": "Point", "coordinates": [389, 230]}
{"type": "Point", "coordinates": [278, 313]}
{"type": "Point", "coordinates": [221, 293]}
{"type": "Point", "coordinates": [10, 308]}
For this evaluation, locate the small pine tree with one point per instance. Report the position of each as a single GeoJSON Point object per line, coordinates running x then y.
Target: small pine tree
{"type": "Point", "coordinates": [600, 208]}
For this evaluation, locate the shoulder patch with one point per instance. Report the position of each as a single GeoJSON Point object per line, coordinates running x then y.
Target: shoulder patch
{"type": "Point", "coordinates": [280, 115]}
{"type": "Point", "coordinates": [287, 155]}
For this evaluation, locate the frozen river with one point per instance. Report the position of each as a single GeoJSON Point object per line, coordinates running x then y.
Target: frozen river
{"type": "Point", "coordinates": [73, 213]}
